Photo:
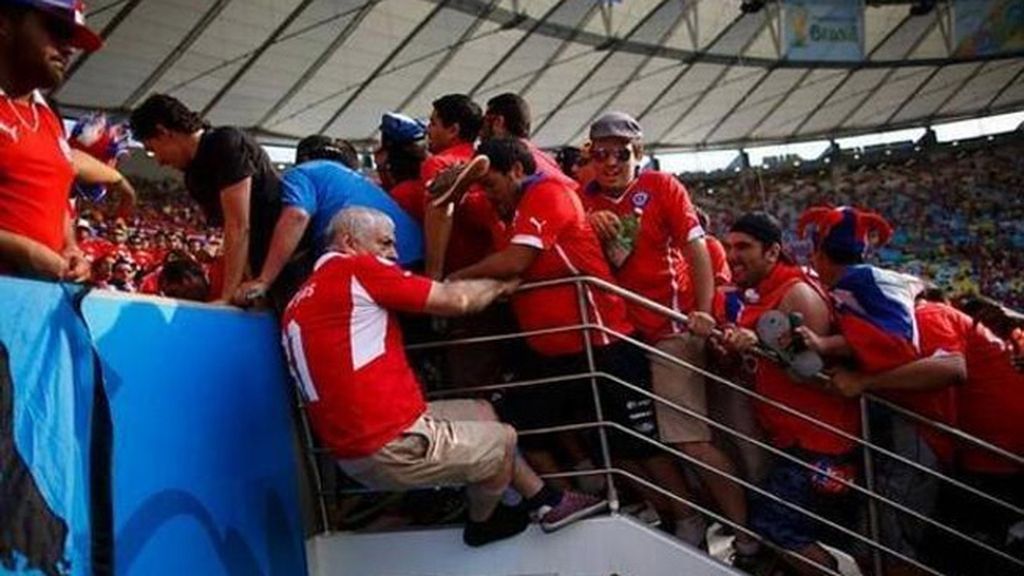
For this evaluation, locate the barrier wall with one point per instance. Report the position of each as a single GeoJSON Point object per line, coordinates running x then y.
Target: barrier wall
{"type": "Point", "coordinates": [203, 473]}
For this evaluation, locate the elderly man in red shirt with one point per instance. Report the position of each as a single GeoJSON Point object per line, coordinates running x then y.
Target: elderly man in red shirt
{"type": "Point", "coordinates": [346, 353]}
{"type": "Point", "coordinates": [37, 40]}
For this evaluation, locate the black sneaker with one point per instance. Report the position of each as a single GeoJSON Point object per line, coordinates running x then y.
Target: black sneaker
{"type": "Point", "coordinates": [504, 522]}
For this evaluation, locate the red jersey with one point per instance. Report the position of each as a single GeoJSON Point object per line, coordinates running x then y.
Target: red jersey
{"type": "Point", "coordinates": [551, 219]}
{"type": "Point", "coordinates": [990, 405]}
{"type": "Point", "coordinates": [470, 241]}
{"type": "Point", "coordinates": [95, 248]}
{"type": "Point", "coordinates": [719, 261]}
{"type": "Point", "coordinates": [547, 165]}
{"type": "Point", "coordinates": [346, 353]}
{"type": "Point", "coordinates": [785, 430]}
{"type": "Point", "coordinates": [411, 197]}
{"type": "Point", "coordinates": [655, 268]}
{"type": "Point", "coordinates": [36, 173]}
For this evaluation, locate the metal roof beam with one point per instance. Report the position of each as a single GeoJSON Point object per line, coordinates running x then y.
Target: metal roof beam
{"type": "Point", "coordinates": [459, 45]}
{"type": "Point", "coordinates": [325, 55]}
{"type": "Point", "coordinates": [835, 89]}
{"type": "Point", "coordinates": [172, 58]}
{"type": "Point", "coordinates": [612, 50]}
{"type": "Point", "coordinates": [263, 47]}
{"type": "Point", "coordinates": [1001, 91]}
{"type": "Point", "coordinates": [681, 19]}
{"type": "Point", "coordinates": [515, 47]}
{"type": "Point", "coordinates": [383, 65]}
{"type": "Point", "coordinates": [108, 29]}
{"type": "Point", "coordinates": [765, 21]}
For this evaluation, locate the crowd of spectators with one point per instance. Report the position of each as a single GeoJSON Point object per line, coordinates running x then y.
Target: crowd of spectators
{"type": "Point", "coordinates": [957, 213]}
{"type": "Point", "coordinates": [132, 253]}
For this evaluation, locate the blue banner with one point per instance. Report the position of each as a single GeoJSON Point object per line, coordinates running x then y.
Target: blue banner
{"type": "Point", "coordinates": [985, 27]}
{"type": "Point", "coordinates": [823, 30]}
{"type": "Point", "coordinates": [46, 385]}
{"type": "Point", "coordinates": [204, 461]}
{"type": "Point", "coordinates": [193, 405]}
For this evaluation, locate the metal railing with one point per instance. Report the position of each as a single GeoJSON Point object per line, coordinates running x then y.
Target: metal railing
{"type": "Point", "coordinates": [610, 472]}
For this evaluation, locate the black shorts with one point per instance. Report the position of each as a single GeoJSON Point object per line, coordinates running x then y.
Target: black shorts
{"type": "Point", "coordinates": [572, 401]}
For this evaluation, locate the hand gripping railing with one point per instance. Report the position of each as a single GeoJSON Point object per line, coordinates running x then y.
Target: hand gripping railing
{"type": "Point", "coordinates": [610, 472]}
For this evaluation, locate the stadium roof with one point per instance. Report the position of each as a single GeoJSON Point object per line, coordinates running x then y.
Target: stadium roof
{"type": "Point", "coordinates": [697, 73]}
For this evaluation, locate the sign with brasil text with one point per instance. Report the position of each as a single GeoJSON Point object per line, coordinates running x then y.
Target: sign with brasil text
{"type": "Point", "coordinates": [823, 30]}
{"type": "Point", "coordinates": [985, 27]}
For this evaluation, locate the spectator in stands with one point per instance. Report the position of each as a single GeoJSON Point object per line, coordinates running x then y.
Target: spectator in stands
{"type": "Point", "coordinates": [716, 251]}
{"type": "Point", "coordinates": [399, 161]}
{"type": "Point", "coordinates": [766, 279]}
{"type": "Point", "coordinates": [460, 235]}
{"type": "Point", "coordinates": [345, 349]}
{"type": "Point", "coordinates": [184, 278]}
{"type": "Point", "coordinates": [37, 40]}
{"type": "Point", "coordinates": [508, 116]}
{"type": "Point", "coordinates": [544, 235]}
{"type": "Point", "coordinates": [953, 352]}
{"type": "Point", "coordinates": [312, 192]}
{"type": "Point", "coordinates": [319, 147]}
{"type": "Point", "coordinates": [226, 172]}
{"type": "Point", "coordinates": [651, 234]}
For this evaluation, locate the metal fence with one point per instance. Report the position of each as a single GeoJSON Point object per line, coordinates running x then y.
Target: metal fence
{"type": "Point", "coordinates": [871, 540]}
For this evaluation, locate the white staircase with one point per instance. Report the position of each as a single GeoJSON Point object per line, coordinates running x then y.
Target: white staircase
{"type": "Point", "coordinates": [616, 545]}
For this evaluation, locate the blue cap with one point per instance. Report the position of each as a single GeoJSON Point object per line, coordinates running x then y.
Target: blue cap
{"type": "Point", "coordinates": [395, 127]}
{"type": "Point", "coordinates": [72, 12]}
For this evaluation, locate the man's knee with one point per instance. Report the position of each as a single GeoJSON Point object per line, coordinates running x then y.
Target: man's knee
{"type": "Point", "coordinates": [486, 411]}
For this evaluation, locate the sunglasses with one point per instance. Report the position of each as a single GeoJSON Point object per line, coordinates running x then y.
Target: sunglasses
{"type": "Point", "coordinates": [603, 154]}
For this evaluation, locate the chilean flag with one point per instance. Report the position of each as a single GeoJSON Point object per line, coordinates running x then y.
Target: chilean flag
{"type": "Point", "coordinates": [875, 308]}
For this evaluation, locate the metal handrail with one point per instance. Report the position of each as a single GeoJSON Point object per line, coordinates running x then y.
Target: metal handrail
{"type": "Point", "coordinates": [742, 389]}
{"type": "Point", "coordinates": [602, 426]}
{"type": "Point", "coordinates": [766, 353]}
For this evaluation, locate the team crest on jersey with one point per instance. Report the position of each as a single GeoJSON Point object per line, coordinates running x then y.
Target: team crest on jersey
{"type": "Point", "coordinates": [640, 199]}
{"type": "Point", "coordinates": [9, 130]}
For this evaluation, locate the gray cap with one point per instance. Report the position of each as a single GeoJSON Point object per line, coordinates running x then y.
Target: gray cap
{"type": "Point", "coordinates": [616, 125]}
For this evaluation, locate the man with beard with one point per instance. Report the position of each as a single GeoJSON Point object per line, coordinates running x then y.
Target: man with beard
{"type": "Point", "coordinates": [37, 39]}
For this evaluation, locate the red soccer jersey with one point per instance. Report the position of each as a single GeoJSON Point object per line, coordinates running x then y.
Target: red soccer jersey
{"type": "Point", "coordinates": [656, 268]}
{"type": "Point", "coordinates": [719, 261]}
{"type": "Point", "coordinates": [470, 241]}
{"type": "Point", "coordinates": [990, 405]}
{"type": "Point", "coordinates": [411, 197]}
{"type": "Point", "coordinates": [35, 172]}
{"type": "Point", "coordinates": [551, 219]}
{"type": "Point", "coordinates": [784, 429]}
{"type": "Point", "coordinates": [345, 351]}
{"type": "Point", "coordinates": [547, 165]}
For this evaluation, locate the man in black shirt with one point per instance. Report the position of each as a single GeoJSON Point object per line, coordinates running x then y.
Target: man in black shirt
{"type": "Point", "coordinates": [227, 173]}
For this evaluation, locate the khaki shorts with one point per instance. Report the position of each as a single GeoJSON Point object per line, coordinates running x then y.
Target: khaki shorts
{"type": "Point", "coordinates": [681, 386]}
{"type": "Point", "coordinates": [455, 442]}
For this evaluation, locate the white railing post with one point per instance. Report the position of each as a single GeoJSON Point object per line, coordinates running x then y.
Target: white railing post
{"type": "Point", "coordinates": [613, 496]}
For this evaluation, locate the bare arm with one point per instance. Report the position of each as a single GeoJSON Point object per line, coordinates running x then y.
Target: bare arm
{"type": "Point", "coordinates": [507, 264]}
{"type": "Point", "coordinates": [288, 231]}
{"type": "Point", "coordinates": [78, 268]}
{"type": "Point", "coordinates": [234, 201]}
{"type": "Point", "coordinates": [921, 375]}
{"type": "Point", "coordinates": [701, 275]}
{"type": "Point", "coordinates": [30, 258]}
{"type": "Point", "coordinates": [463, 297]}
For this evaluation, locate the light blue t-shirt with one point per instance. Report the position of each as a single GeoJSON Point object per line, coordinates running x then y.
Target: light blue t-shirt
{"type": "Point", "coordinates": [323, 188]}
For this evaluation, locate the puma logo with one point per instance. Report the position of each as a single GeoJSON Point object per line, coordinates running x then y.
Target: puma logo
{"type": "Point", "coordinates": [538, 224]}
{"type": "Point", "coordinates": [28, 526]}
{"type": "Point", "coordinates": [11, 131]}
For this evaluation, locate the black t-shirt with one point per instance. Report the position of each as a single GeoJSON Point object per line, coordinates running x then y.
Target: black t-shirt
{"type": "Point", "coordinates": [226, 156]}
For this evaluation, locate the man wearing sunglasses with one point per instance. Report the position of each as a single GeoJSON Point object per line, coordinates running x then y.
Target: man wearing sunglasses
{"type": "Point", "coordinates": [652, 236]}
{"type": "Point", "coordinates": [37, 40]}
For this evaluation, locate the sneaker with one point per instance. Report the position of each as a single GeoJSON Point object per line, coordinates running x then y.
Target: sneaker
{"type": "Point", "coordinates": [450, 185]}
{"type": "Point", "coordinates": [573, 506]}
{"type": "Point", "coordinates": [504, 522]}
{"type": "Point", "coordinates": [758, 564]}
